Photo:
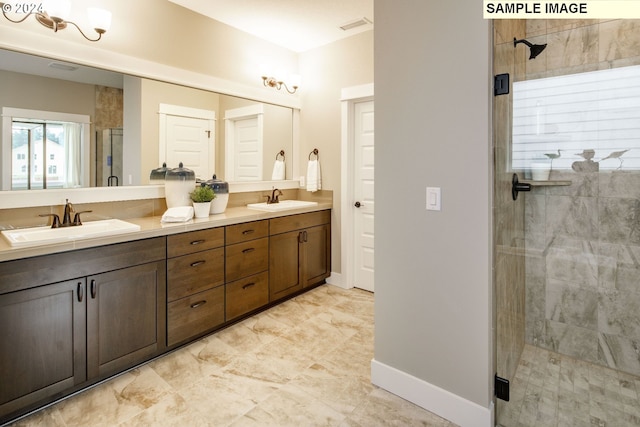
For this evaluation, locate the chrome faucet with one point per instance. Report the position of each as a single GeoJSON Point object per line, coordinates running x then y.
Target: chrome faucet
{"type": "Point", "coordinates": [274, 197]}
{"type": "Point", "coordinates": [66, 217]}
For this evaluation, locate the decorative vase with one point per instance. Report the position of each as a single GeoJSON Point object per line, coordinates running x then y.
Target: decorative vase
{"type": "Point", "coordinates": [201, 210]}
{"type": "Point", "coordinates": [540, 171]}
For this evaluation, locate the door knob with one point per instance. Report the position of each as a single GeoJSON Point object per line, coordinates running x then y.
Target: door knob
{"type": "Point", "coordinates": [357, 204]}
{"type": "Point", "coordinates": [517, 186]}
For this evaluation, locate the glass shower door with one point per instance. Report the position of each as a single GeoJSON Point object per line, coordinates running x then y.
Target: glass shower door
{"type": "Point", "coordinates": [567, 253]}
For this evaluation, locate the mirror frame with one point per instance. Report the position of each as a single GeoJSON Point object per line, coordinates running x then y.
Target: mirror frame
{"type": "Point", "coordinates": [36, 44]}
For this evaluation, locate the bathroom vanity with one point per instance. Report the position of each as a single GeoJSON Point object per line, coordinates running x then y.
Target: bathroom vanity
{"type": "Point", "coordinates": [71, 318]}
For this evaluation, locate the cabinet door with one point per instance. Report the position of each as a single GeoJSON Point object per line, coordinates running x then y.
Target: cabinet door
{"type": "Point", "coordinates": [43, 343]}
{"type": "Point", "coordinates": [126, 317]}
{"type": "Point", "coordinates": [317, 257]}
{"type": "Point", "coordinates": [285, 274]}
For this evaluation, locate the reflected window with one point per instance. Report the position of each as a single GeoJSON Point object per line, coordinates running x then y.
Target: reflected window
{"type": "Point", "coordinates": [586, 121]}
{"type": "Point", "coordinates": [43, 141]}
{"type": "Point", "coordinates": [35, 140]}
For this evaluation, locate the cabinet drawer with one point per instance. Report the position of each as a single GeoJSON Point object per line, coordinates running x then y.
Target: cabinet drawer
{"type": "Point", "coordinates": [247, 294]}
{"type": "Point", "coordinates": [300, 221]}
{"type": "Point", "coordinates": [245, 259]}
{"type": "Point", "coordinates": [191, 316]}
{"type": "Point", "coordinates": [193, 273]}
{"type": "Point", "coordinates": [194, 241]}
{"type": "Point", "coordinates": [247, 231]}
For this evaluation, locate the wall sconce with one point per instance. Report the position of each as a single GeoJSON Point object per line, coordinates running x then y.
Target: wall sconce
{"type": "Point", "coordinates": [51, 15]}
{"type": "Point", "coordinates": [294, 81]}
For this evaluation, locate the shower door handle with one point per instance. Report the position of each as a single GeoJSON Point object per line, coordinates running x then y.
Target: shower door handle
{"type": "Point", "coordinates": [516, 186]}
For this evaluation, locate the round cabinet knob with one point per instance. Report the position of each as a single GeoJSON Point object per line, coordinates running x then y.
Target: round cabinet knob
{"type": "Point", "coordinates": [357, 204]}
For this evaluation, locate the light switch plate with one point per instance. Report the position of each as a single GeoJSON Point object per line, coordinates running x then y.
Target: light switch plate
{"type": "Point", "coordinates": [434, 202]}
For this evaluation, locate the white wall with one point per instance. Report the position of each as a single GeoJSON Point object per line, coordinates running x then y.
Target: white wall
{"type": "Point", "coordinates": [433, 332]}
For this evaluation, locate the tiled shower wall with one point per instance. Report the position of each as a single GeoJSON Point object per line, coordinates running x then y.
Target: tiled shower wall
{"type": "Point", "coordinates": [583, 268]}
{"type": "Point", "coordinates": [583, 240]}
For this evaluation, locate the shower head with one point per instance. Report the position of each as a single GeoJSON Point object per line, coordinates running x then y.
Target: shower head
{"type": "Point", "coordinates": [535, 49]}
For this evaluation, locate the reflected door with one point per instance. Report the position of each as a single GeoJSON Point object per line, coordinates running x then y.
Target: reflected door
{"type": "Point", "coordinates": [248, 150]}
{"type": "Point", "coordinates": [189, 142]}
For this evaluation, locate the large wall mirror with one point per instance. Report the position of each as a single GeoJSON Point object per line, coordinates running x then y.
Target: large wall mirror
{"type": "Point", "coordinates": [70, 126]}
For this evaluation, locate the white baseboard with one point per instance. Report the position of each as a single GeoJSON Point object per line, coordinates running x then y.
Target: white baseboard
{"type": "Point", "coordinates": [430, 397]}
{"type": "Point", "coordinates": [336, 280]}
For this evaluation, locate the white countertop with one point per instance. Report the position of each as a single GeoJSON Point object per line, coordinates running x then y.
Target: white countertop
{"type": "Point", "coordinates": [152, 227]}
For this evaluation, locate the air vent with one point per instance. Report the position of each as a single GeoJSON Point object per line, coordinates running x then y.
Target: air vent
{"type": "Point", "coordinates": [62, 66]}
{"type": "Point", "coordinates": [354, 24]}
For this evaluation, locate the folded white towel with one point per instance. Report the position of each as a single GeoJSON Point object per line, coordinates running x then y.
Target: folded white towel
{"type": "Point", "coordinates": [314, 177]}
{"type": "Point", "coordinates": [278, 170]}
{"type": "Point", "coordinates": [178, 214]}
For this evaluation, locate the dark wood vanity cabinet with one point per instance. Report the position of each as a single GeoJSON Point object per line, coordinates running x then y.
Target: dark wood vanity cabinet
{"type": "Point", "coordinates": [299, 252]}
{"type": "Point", "coordinates": [72, 318]}
{"type": "Point", "coordinates": [43, 342]}
{"type": "Point", "coordinates": [123, 322]}
{"type": "Point", "coordinates": [247, 262]}
{"type": "Point", "coordinates": [195, 279]}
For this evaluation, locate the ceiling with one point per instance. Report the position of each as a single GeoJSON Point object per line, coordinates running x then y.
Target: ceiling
{"type": "Point", "coordinates": [40, 66]}
{"type": "Point", "coordinates": [298, 25]}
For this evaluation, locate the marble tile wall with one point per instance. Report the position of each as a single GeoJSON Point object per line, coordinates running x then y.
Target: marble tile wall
{"type": "Point", "coordinates": [583, 241]}
{"type": "Point", "coordinates": [109, 114]}
{"type": "Point", "coordinates": [583, 268]}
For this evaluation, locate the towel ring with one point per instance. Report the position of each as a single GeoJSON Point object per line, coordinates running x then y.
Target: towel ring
{"type": "Point", "coordinates": [280, 153]}
{"type": "Point", "coordinates": [314, 152]}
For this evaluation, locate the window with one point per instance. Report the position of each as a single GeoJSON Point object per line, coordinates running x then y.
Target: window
{"type": "Point", "coordinates": [42, 139]}
{"type": "Point", "coordinates": [594, 114]}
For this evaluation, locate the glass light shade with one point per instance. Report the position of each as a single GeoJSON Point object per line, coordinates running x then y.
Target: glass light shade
{"type": "Point", "coordinates": [59, 9]}
{"type": "Point", "coordinates": [99, 18]}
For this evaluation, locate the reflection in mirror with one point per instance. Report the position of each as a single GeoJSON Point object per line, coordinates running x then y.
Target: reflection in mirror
{"type": "Point", "coordinates": [124, 141]}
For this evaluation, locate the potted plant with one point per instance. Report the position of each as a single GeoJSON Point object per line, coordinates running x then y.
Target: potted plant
{"type": "Point", "coordinates": [202, 197]}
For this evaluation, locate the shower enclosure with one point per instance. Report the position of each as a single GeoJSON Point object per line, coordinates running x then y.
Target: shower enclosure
{"type": "Point", "coordinates": [567, 252]}
{"type": "Point", "coordinates": [109, 157]}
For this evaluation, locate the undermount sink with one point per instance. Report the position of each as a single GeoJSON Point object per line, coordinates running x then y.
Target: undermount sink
{"type": "Point", "coordinates": [44, 235]}
{"type": "Point", "coordinates": [282, 205]}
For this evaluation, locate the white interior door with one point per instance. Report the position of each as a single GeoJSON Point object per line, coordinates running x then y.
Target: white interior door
{"type": "Point", "coordinates": [188, 140]}
{"type": "Point", "coordinates": [244, 139]}
{"type": "Point", "coordinates": [248, 150]}
{"type": "Point", "coordinates": [363, 195]}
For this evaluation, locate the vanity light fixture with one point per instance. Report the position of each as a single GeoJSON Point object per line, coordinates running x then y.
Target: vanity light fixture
{"type": "Point", "coordinates": [51, 14]}
{"type": "Point", "coordinates": [294, 81]}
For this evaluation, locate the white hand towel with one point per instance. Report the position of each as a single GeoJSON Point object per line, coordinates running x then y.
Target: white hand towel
{"type": "Point", "coordinates": [178, 214]}
{"type": "Point", "coordinates": [278, 170]}
{"type": "Point", "coordinates": [314, 177]}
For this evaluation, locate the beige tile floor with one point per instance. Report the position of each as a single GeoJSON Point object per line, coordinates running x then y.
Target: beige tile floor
{"type": "Point", "coordinates": [305, 362]}
{"type": "Point", "coordinates": [552, 390]}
